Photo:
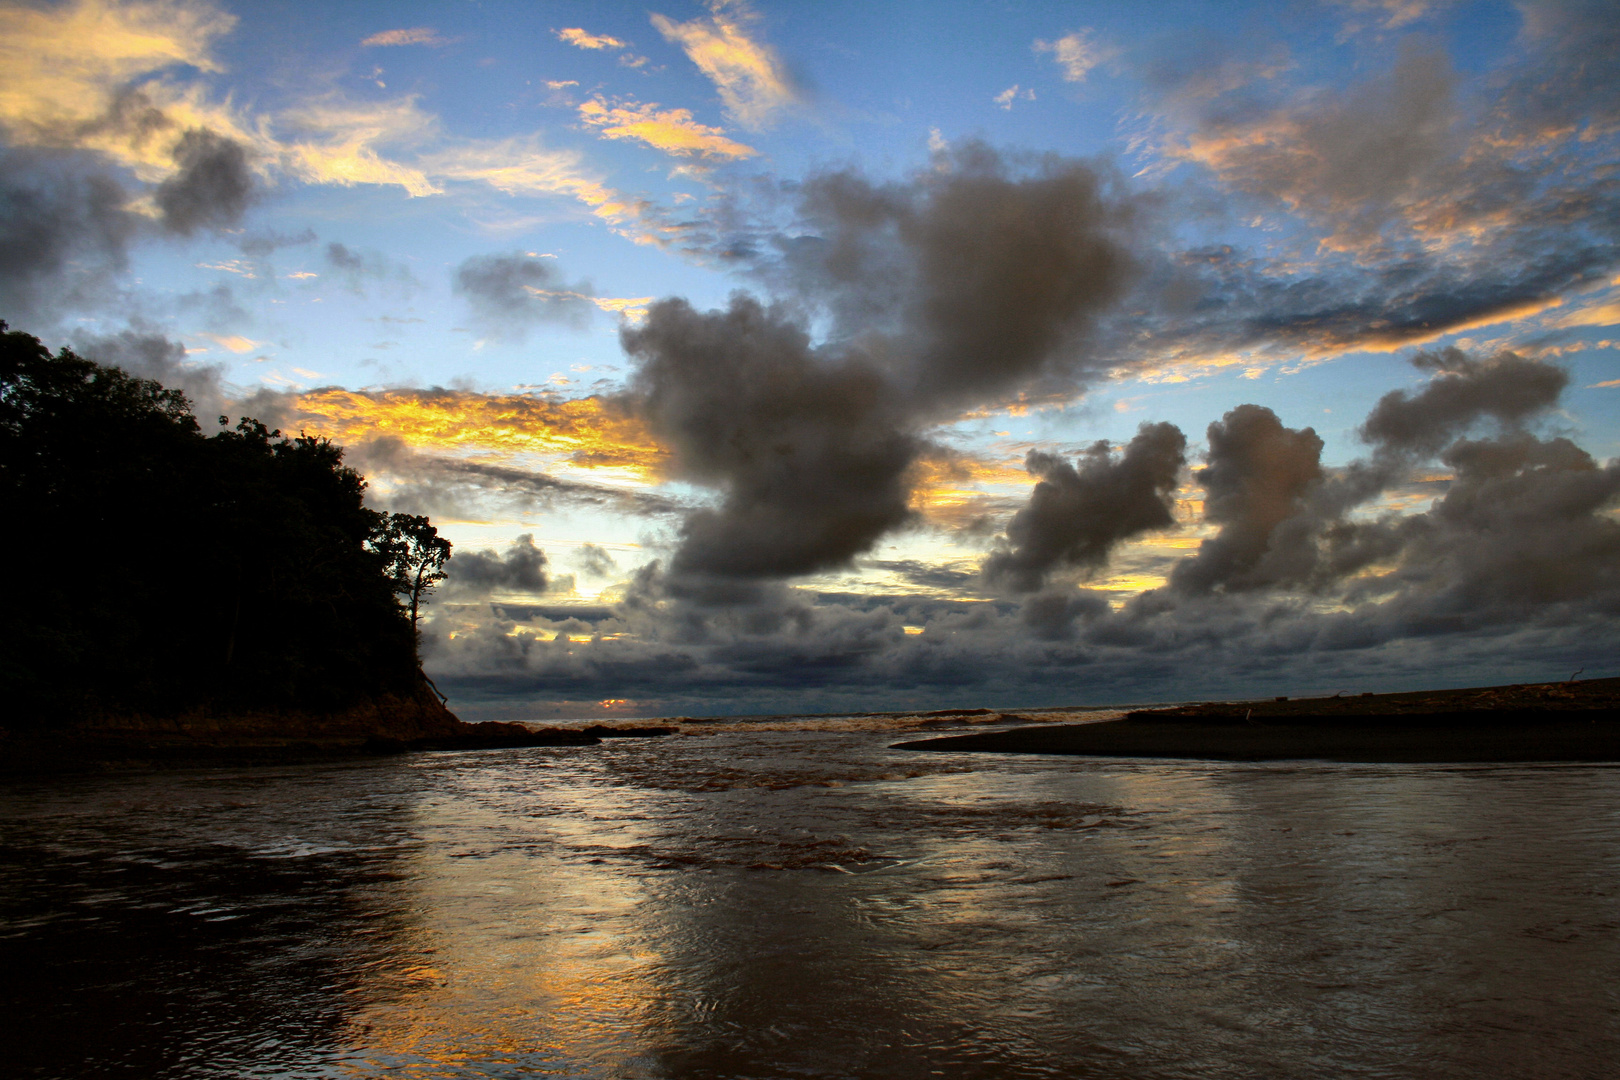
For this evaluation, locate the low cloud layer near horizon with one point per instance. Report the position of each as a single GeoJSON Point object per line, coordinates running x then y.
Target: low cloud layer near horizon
{"type": "Point", "coordinates": [763, 457]}
{"type": "Point", "coordinates": [1313, 576]}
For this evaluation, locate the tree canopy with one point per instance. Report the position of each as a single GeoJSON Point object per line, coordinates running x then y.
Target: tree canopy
{"type": "Point", "coordinates": [158, 569]}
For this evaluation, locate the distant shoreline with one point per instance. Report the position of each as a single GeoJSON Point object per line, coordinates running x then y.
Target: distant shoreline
{"type": "Point", "coordinates": [387, 725]}
{"type": "Point", "coordinates": [1524, 722]}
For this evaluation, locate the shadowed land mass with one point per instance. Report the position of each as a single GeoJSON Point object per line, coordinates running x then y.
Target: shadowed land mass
{"type": "Point", "coordinates": [1573, 721]}
{"type": "Point", "coordinates": [202, 598]}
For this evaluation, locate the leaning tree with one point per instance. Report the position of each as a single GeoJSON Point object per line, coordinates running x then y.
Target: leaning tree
{"type": "Point", "coordinates": [415, 554]}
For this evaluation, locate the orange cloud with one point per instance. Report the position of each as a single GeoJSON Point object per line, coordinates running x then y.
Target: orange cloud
{"type": "Point", "coordinates": [344, 150]}
{"type": "Point", "coordinates": [1396, 339]}
{"type": "Point", "coordinates": [586, 432]}
{"type": "Point", "coordinates": [670, 130]}
{"type": "Point", "coordinates": [948, 490]}
{"type": "Point", "coordinates": [751, 79]}
{"type": "Point", "coordinates": [523, 167]}
{"type": "Point", "coordinates": [236, 343]}
{"type": "Point", "coordinates": [581, 39]}
{"type": "Point", "coordinates": [633, 308]}
{"type": "Point", "coordinates": [1602, 314]}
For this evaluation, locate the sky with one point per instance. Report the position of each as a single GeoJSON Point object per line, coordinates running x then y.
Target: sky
{"type": "Point", "coordinates": [787, 357]}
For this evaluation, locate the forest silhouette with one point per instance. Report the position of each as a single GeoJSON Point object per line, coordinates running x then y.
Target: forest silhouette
{"type": "Point", "coordinates": [159, 571]}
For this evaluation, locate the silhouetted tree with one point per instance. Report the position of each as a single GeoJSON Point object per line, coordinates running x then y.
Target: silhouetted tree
{"type": "Point", "coordinates": [415, 554]}
{"type": "Point", "coordinates": [162, 570]}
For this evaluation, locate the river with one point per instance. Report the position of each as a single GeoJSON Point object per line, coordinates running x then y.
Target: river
{"type": "Point", "coordinates": [794, 899]}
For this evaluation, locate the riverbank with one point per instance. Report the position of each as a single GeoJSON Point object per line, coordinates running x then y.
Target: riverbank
{"type": "Point", "coordinates": [391, 724]}
{"type": "Point", "coordinates": [1528, 722]}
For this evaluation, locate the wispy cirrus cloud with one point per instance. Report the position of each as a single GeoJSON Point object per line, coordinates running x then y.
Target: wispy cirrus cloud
{"type": "Point", "coordinates": [114, 131]}
{"type": "Point", "coordinates": [62, 62]}
{"type": "Point", "coordinates": [670, 130]}
{"type": "Point", "coordinates": [582, 39]}
{"type": "Point", "coordinates": [84, 76]}
{"type": "Point", "coordinates": [111, 79]}
{"type": "Point", "coordinates": [522, 166]}
{"type": "Point", "coordinates": [1389, 14]}
{"type": "Point", "coordinates": [754, 85]}
{"type": "Point", "coordinates": [419, 35]}
{"type": "Point", "coordinates": [344, 143]}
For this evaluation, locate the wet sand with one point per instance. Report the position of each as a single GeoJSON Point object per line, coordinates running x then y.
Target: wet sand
{"type": "Point", "coordinates": [1575, 721]}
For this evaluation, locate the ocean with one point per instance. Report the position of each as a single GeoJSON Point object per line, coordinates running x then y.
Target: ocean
{"type": "Point", "coordinates": [788, 897]}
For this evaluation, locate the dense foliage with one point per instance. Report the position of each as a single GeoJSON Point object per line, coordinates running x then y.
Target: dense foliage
{"type": "Point", "coordinates": [156, 569]}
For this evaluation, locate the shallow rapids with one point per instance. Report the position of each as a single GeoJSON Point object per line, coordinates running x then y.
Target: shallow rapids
{"type": "Point", "coordinates": [793, 899]}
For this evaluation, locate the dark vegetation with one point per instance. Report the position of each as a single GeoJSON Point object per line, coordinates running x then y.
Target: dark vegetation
{"type": "Point", "coordinates": [158, 570]}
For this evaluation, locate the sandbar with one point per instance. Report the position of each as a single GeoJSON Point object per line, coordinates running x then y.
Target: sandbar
{"type": "Point", "coordinates": [1541, 722]}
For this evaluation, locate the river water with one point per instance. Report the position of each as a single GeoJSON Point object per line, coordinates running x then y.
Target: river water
{"type": "Point", "coordinates": [793, 899]}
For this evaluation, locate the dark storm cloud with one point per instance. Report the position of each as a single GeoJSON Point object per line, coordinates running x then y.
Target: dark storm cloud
{"type": "Point", "coordinates": [1077, 516]}
{"type": "Point", "coordinates": [130, 116]}
{"type": "Point", "coordinates": [1520, 531]}
{"type": "Point", "coordinates": [510, 294]}
{"type": "Point", "coordinates": [594, 561]}
{"type": "Point", "coordinates": [1521, 553]}
{"type": "Point", "coordinates": [809, 451]}
{"type": "Point", "coordinates": [926, 575]}
{"type": "Point", "coordinates": [66, 226]}
{"type": "Point", "coordinates": [837, 654]}
{"type": "Point", "coordinates": [1512, 573]}
{"type": "Point", "coordinates": [480, 573]}
{"type": "Point", "coordinates": [1522, 526]}
{"type": "Point", "coordinates": [1287, 522]}
{"type": "Point", "coordinates": [966, 285]}
{"type": "Point", "coordinates": [64, 234]}
{"type": "Point", "coordinates": [1052, 615]}
{"type": "Point", "coordinates": [1257, 478]}
{"type": "Point", "coordinates": [339, 257]}
{"type": "Point", "coordinates": [212, 186]}
{"type": "Point", "coordinates": [356, 269]}
{"type": "Point", "coordinates": [1506, 386]}
{"type": "Point", "coordinates": [146, 352]}
{"type": "Point", "coordinates": [262, 244]}
{"type": "Point", "coordinates": [973, 279]}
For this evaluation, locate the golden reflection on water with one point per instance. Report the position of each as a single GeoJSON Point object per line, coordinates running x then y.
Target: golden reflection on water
{"type": "Point", "coordinates": [718, 907]}
{"type": "Point", "coordinates": [532, 957]}
{"type": "Point", "coordinates": [771, 901]}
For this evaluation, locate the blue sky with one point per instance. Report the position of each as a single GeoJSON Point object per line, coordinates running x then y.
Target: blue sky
{"type": "Point", "coordinates": [978, 239]}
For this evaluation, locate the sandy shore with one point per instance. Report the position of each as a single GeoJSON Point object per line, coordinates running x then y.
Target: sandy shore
{"type": "Point", "coordinates": [1533, 722]}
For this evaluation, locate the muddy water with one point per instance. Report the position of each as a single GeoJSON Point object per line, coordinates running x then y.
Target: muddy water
{"type": "Point", "coordinates": [776, 901]}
